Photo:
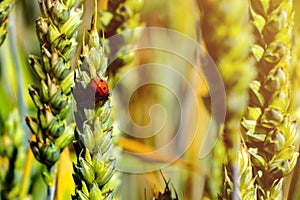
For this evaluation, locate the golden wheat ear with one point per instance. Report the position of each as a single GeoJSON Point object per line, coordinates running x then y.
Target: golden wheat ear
{"type": "Point", "coordinates": [227, 38]}
{"type": "Point", "coordinates": [268, 128]}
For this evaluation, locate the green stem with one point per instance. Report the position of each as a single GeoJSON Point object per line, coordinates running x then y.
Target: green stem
{"type": "Point", "coordinates": [18, 67]}
{"type": "Point", "coordinates": [14, 51]}
{"type": "Point", "coordinates": [51, 188]}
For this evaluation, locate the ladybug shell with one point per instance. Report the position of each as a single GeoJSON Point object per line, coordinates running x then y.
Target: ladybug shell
{"type": "Point", "coordinates": [100, 87]}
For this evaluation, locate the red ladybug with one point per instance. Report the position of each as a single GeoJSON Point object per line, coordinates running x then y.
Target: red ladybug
{"type": "Point", "coordinates": [100, 88]}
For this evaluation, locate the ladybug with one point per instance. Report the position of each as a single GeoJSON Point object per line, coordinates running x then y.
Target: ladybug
{"type": "Point", "coordinates": [100, 88]}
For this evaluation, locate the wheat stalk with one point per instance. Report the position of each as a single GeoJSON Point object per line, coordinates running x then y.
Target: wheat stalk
{"type": "Point", "coordinates": [94, 172]}
{"type": "Point", "coordinates": [268, 129]}
{"type": "Point", "coordinates": [56, 31]}
{"type": "Point", "coordinates": [118, 17]}
{"type": "Point", "coordinates": [227, 38]}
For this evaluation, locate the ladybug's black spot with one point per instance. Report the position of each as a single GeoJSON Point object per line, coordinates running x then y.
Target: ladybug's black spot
{"type": "Point", "coordinates": [104, 88]}
{"type": "Point", "coordinates": [101, 80]}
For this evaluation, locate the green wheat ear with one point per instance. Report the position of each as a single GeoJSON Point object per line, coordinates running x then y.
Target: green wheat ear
{"type": "Point", "coordinates": [5, 8]}
{"type": "Point", "coordinates": [94, 172]}
{"type": "Point", "coordinates": [56, 31]}
{"type": "Point", "coordinates": [227, 37]}
{"type": "Point", "coordinates": [268, 129]}
{"type": "Point", "coordinates": [117, 17]}
{"type": "Point", "coordinates": [12, 155]}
